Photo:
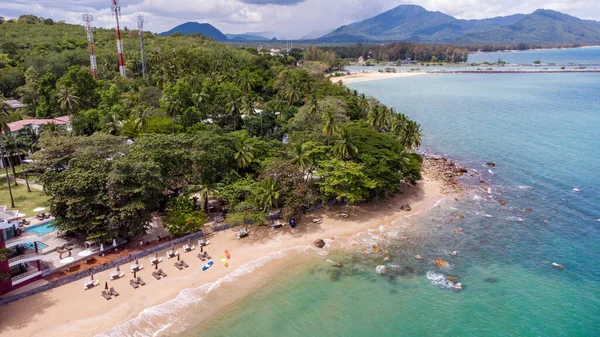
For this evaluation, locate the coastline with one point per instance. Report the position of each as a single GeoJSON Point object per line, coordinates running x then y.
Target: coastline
{"type": "Point", "coordinates": [70, 309]}
{"type": "Point", "coordinates": [372, 76]}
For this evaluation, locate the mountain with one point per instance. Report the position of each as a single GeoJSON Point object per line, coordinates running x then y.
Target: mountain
{"type": "Point", "coordinates": [197, 28]}
{"type": "Point", "coordinates": [246, 37]}
{"type": "Point", "coordinates": [543, 27]}
{"type": "Point", "coordinates": [415, 23]}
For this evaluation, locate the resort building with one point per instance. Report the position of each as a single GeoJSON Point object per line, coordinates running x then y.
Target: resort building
{"type": "Point", "coordinates": [36, 124]}
{"type": "Point", "coordinates": [20, 255]}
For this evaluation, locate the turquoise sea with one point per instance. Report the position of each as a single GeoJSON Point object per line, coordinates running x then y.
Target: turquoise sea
{"type": "Point", "coordinates": [543, 133]}
{"type": "Point", "coordinates": [586, 55]}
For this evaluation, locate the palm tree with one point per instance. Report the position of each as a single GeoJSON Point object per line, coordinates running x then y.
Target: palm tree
{"type": "Point", "coordinates": [10, 140]}
{"type": "Point", "coordinates": [343, 148]}
{"type": "Point", "coordinates": [330, 124]}
{"type": "Point", "coordinates": [67, 99]}
{"type": "Point", "coordinates": [206, 191]}
{"type": "Point", "coordinates": [171, 105]}
{"type": "Point", "coordinates": [313, 106]}
{"type": "Point", "coordinates": [292, 94]}
{"type": "Point", "coordinates": [300, 157]}
{"type": "Point", "coordinates": [376, 117]}
{"type": "Point", "coordinates": [112, 125]}
{"type": "Point", "coordinates": [52, 129]}
{"type": "Point", "coordinates": [30, 138]}
{"type": "Point", "coordinates": [412, 135]}
{"type": "Point", "coordinates": [268, 194]}
{"type": "Point", "coordinates": [243, 153]}
{"type": "Point", "coordinates": [2, 154]}
{"type": "Point", "coordinates": [234, 107]}
{"type": "Point", "coordinates": [140, 123]}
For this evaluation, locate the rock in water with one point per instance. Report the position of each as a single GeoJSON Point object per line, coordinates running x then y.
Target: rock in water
{"type": "Point", "coordinates": [319, 243]}
{"type": "Point", "coordinates": [382, 270]}
{"type": "Point", "coordinates": [452, 278]}
{"type": "Point", "coordinates": [502, 202]}
{"type": "Point", "coordinates": [387, 259]}
{"type": "Point", "coordinates": [336, 264]}
{"type": "Point", "coordinates": [491, 164]}
{"type": "Point", "coordinates": [440, 263]}
{"type": "Point", "coordinates": [558, 266]}
{"type": "Point", "coordinates": [418, 257]}
{"type": "Point", "coordinates": [491, 279]}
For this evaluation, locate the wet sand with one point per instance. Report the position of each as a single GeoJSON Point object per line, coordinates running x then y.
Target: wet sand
{"type": "Point", "coordinates": [372, 76]}
{"type": "Point", "coordinates": [69, 310]}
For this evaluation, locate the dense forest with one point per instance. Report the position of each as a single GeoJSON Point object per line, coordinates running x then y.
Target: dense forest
{"type": "Point", "coordinates": [225, 124]}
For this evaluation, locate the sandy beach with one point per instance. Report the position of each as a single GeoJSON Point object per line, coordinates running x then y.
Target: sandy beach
{"type": "Point", "coordinates": [372, 76]}
{"type": "Point", "coordinates": [69, 310]}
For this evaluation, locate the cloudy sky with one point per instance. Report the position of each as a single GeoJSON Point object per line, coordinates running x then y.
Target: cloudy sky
{"type": "Point", "coordinates": [286, 18]}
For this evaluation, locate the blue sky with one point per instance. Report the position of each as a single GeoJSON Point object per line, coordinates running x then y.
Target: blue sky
{"type": "Point", "coordinates": [285, 18]}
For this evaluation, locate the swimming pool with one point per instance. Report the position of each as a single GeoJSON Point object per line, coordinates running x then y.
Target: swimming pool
{"type": "Point", "coordinates": [42, 229]}
{"type": "Point", "coordinates": [30, 245]}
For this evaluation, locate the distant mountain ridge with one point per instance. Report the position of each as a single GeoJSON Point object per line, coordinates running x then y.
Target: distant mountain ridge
{"type": "Point", "coordinates": [205, 29]}
{"type": "Point", "coordinates": [415, 23]}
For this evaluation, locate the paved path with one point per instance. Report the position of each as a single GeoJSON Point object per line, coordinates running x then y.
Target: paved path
{"type": "Point", "coordinates": [31, 185]}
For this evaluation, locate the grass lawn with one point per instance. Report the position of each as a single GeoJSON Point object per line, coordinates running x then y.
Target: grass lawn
{"type": "Point", "coordinates": [25, 201]}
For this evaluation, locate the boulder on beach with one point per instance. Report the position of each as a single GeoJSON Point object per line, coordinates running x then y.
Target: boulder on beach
{"type": "Point", "coordinates": [406, 208]}
{"type": "Point", "coordinates": [381, 269]}
{"type": "Point", "coordinates": [319, 243]}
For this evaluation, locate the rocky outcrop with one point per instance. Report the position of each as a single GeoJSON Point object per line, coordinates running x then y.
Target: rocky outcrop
{"type": "Point", "coordinates": [444, 170]}
{"type": "Point", "coordinates": [319, 243]}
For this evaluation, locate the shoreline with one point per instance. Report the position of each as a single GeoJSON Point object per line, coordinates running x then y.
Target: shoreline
{"type": "Point", "coordinates": [367, 76]}
{"type": "Point", "coordinates": [70, 309]}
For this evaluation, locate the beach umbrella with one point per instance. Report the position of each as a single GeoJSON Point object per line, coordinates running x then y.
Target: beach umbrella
{"type": "Point", "coordinates": [134, 273]}
{"type": "Point", "coordinates": [91, 274]}
{"type": "Point", "coordinates": [156, 255]}
{"type": "Point", "coordinates": [39, 209]}
{"type": "Point", "coordinates": [101, 247]}
{"type": "Point", "coordinates": [177, 257]}
{"type": "Point", "coordinates": [106, 285]}
{"type": "Point", "coordinates": [156, 266]}
{"type": "Point", "coordinates": [188, 242]}
{"type": "Point", "coordinates": [114, 242]}
{"type": "Point", "coordinates": [118, 269]}
{"type": "Point", "coordinates": [137, 261]}
{"type": "Point", "coordinates": [172, 247]}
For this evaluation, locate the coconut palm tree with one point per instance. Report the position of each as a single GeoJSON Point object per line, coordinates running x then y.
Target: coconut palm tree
{"type": "Point", "coordinates": [30, 138]}
{"type": "Point", "coordinates": [112, 126]}
{"type": "Point", "coordinates": [2, 155]}
{"type": "Point", "coordinates": [243, 153]}
{"type": "Point", "coordinates": [268, 194]}
{"type": "Point", "coordinates": [234, 108]}
{"type": "Point", "coordinates": [313, 106]}
{"type": "Point", "coordinates": [67, 100]}
{"type": "Point", "coordinates": [343, 148]}
{"type": "Point", "coordinates": [206, 191]}
{"type": "Point", "coordinates": [330, 124]}
{"type": "Point", "coordinates": [300, 157]}
{"type": "Point", "coordinates": [412, 135]}
{"type": "Point", "coordinates": [376, 117]}
{"type": "Point", "coordinates": [140, 122]}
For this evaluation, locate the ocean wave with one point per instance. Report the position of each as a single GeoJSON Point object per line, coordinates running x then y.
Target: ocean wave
{"type": "Point", "coordinates": [439, 280]}
{"type": "Point", "coordinates": [152, 321]}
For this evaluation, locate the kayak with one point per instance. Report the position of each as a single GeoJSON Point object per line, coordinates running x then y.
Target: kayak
{"type": "Point", "coordinates": [227, 254]}
{"type": "Point", "coordinates": [224, 260]}
{"type": "Point", "coordinates": [207, 265]}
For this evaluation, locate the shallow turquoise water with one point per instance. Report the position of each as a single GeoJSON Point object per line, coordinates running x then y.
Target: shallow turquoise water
{"type": "Point", "coordinates": [42, 229]}
{"type": "Point", "coordinates": [543, 132]}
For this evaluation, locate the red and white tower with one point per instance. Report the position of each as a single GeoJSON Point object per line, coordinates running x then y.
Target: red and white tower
{"type": "Point", "coordinates": [89, 30]}
{"type": "Point", "coordinates": [116, 9]}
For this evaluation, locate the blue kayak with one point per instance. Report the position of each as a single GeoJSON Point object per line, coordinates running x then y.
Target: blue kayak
{"type": "Point", "coordinates": [207, 265]}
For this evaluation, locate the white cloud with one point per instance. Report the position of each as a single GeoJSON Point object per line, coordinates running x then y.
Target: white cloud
{"type": "Point", "coordinates": [287, 18]}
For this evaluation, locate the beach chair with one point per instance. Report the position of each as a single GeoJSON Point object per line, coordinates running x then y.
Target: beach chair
{"type": "Point", "coordinates": [140, 281]}
{"type": "Point", "coordinates": [106, 295]}
{"type": "Point", "coordinates": [178, 265]}
{"type": "Point", "coordinates": [201, 257]}
{"type": "Point", "coordinates": [183, 264]}
{"type": "Point", "coordinates": [156, 275]}
{"type": "Point", "coordinates": [207, 256]}
{"type": "Point", "coordinates": [113, 292]}
{"type": "Point", "coordinates": [162, 273]}
{"type": "Point", "coordinates": [134, 284]}
{"type": "Point", "coordinates": [121, 274]}
{"type": "Point", "coordinates": [114, 276]}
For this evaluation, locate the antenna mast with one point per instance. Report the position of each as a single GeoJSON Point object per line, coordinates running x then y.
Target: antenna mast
{"type": "Point", "coordinates": [89, 30]}
{"type": "Point", "coordinates": [116, 10]}
{"type": "Point", "coordinates": [140, 21]}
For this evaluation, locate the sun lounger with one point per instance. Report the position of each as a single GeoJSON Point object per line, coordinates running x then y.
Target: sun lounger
{"type": "Point", "coordinates": [114, 276]}
{"type": "Point", "coordinates": [156, 275]}
{"type": "Point", "coordinates": [113, 292]}
{"type": "Point", "coordinates": [106, 295]}
{"type": "Point", "coordinates": [178, 265]}
{"type": "Point", "coordinates": [207, 256]}
{"type": "Point", "coordinates": [134, 284]}
{"type": "Point", "coordinates": [140, 281]}
{"type": "Point", "coordinates": [162, 273]}
{"type": "Point", "coordinates": [201, 257]}
{"type": "Point", "coordinates": [183, 264]}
